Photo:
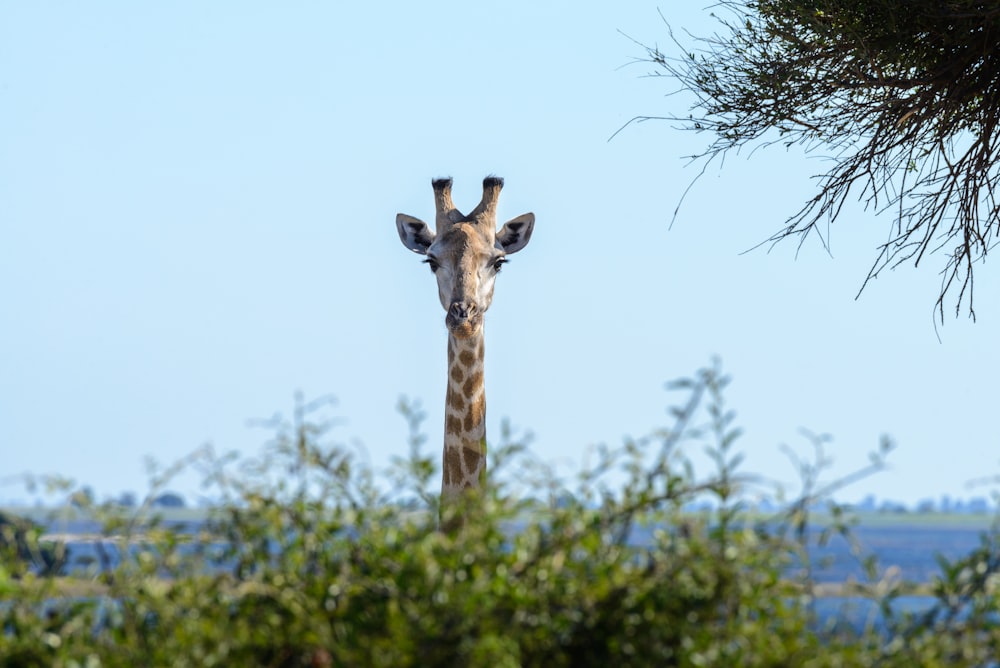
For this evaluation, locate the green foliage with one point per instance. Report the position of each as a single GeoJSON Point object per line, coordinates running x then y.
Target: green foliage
{"type": "Point", "coordinates": [20, 544]}
{"type": "Point", "coordinates": [309, 562]}
{"type": "Point", "coordinates": [902, 95]}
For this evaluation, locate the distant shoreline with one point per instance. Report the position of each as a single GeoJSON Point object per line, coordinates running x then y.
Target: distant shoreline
{"type": "Point", "coordinates": [50, 517]}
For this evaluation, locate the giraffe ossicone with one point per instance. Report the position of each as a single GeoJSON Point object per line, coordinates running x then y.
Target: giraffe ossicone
{"type": "Point", "coordinates": [465, 252]}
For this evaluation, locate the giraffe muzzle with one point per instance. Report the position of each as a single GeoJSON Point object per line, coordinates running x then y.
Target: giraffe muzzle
{"type": "Point", "coordinates": [463, 319]}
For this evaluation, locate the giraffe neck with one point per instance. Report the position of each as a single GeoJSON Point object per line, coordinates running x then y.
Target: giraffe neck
{"type": "Point", "coordinates": [464, 465]}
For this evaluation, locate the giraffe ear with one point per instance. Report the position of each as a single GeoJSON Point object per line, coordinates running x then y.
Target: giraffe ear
{"type": "Point", "coordinates": [414, 233]}
{"type": "Point", "coordinates": [516, 232]}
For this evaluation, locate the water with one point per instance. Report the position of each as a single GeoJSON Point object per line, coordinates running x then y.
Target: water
{"type": "Point", "coordinates": [86, 549]}
{"type": "Point", "coordinates": [906, 552]}
{"type": "Point", "coordinates": [912, 549]}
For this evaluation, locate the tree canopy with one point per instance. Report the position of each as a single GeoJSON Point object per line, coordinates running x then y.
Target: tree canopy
{"type": "Point", "coordinates": [903, 95]}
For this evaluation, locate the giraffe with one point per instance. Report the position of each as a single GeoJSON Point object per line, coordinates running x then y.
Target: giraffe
{"type": "Point", "coordinates": [465, 253]}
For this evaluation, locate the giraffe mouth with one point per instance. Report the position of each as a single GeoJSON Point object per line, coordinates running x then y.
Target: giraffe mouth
{"type": "Point", "coordinates": [463, 328]}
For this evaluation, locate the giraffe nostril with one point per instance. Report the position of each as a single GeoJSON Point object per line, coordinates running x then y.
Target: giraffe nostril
{"type": "Point", "coordinates": [462, 310]}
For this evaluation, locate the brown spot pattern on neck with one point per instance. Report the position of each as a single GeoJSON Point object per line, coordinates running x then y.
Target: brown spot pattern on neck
{"type": "Point", "coordinates": [464, 458]}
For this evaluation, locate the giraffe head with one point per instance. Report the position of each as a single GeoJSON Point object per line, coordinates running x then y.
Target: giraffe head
{"type": "Point", "coordinates": [465, 252]}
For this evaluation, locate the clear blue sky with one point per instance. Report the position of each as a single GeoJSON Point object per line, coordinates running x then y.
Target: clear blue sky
{"type": "Point", "coordinates": [197, 206]}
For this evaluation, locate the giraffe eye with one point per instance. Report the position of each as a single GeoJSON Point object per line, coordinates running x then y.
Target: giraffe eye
{"type": "Point", "coordinates": [432, 263]}
{"type": "Point", "coordinates": [498, 263]}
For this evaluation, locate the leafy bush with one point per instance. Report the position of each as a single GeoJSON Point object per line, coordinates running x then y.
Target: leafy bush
{"type": "Point", "coordinates": [20, 545]}
{"type": "Point", "coordinates": [312, 561]}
